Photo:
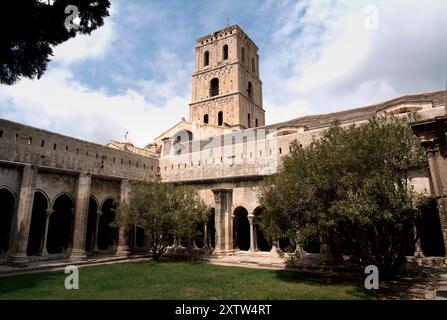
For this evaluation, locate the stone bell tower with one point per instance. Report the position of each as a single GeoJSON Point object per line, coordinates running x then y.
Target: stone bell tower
{"type": "Point", "coordinates": [226, 88]}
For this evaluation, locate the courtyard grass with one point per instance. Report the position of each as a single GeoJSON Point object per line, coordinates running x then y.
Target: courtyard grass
{"type": "Point", "coordinates": [180, 280]}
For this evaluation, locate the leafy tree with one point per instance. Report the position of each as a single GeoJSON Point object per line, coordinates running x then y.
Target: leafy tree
{"type": "Point", "coordinates": [31, 28]}
{"type": "Point", "coordinates": [164, 211]}
{"type": "Point", "coordinates": [351, 190]}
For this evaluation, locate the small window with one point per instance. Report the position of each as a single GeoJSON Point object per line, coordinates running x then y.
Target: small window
{"type": "Point", "coordinates": [30, 140]}
{"type": "Point", "coordinates": [225, 52]}
{"type": "Point", "coordinates": [214, 87]}
{"type": "Point", "coordinates": [77, 152]}
{"type": "Point", "coordinates": [249, 121]}
{"type": "Point", "coordinates": [205, 119]}
{"type": "Point", "coordinates": [42, 144]}
{"type": "Point", "coordinates": [66, 148]}
{"type": "Point", "coordinates": [1, 133]}
{"type": "Point", "coordinates": [220, 118]}
{"type": "Point", "coordinates": [122, 161]}
{"type": "Point", "coordinates": [17, 136]}
{"type": "Point", "coordinates": [250, 90]}
{"type": "Point", "coordinates": [256, 122]}
{"type": "Point", "coordinates": [206, 58]}
{"type": "Point", "coordinates": [280, 151]}
{"type": "Point", "coordinates": [97, 155]}
{"type": "Point", "coordinates": [54, 146]}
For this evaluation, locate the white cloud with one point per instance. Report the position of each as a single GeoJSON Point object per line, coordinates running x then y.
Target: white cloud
{"type": "Point", "coordinates": [82, 47]}
{"type": "Point", "coordinates": [58, 102]}
{"type": "Point", "coordinates": [322, 53]}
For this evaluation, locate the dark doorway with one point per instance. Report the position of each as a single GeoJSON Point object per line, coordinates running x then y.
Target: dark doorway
{"type": "Point", "coordinates": [262, 242]}
{"type": "Point", "coordinates": [37, 227]}
{"type": "Point", "coordinates": [7, 202]}
{"type": "Point", "coordinates": [211, 229]}
{"type": "Point", "coordinates": [241, 229]}
{"type": "Point", "coordinates": [430, 231]}
{"type": "Point", "coordinates": [59, 226]}
{"type": "Point", "coordinates": [91, 224]}
{"type": "Point", "coordinates": [107, 234]}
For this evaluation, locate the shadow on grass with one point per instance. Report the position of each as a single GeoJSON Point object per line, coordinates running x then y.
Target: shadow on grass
{"type": "Point", "coordinates": [328, 279]}
{"type": "Point", "coordinates": [25, 282]}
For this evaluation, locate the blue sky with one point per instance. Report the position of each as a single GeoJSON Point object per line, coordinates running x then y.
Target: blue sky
{"type": "Point", "coordinates": [134, 73]}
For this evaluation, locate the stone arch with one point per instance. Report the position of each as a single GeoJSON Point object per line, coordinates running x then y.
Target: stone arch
{"type": "Point", "coordinates": [90, 236]}
{"type": "Point", "coordinates": [60, 224]}
{"type": "Point", "coordinates": [241, 229]}
{"type": "Point", "coordinates": [7, 206]}
{"type": "Point", "coordinates": [262, 243]}
{"type": "Point", "coordinates": [38, 222]}
{"type": "Point", "coordinates": [60, 194]}
{"type": "Point", "coordinates": [107, 234]}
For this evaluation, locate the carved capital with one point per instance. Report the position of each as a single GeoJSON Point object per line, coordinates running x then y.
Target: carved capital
{"type": "Point", "coordinates": [217, 196]}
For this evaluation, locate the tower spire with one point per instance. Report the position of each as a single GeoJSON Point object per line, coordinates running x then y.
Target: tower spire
{"type": "Point", "coordinates": [228, 22]}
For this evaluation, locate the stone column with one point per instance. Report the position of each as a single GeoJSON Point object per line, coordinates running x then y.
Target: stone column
{"type": "Point", "coordinates": [205, 237]}
{"type": "Point", "coordinates": [275, 246]}
{"type": "Point", "coordinates": [22, 218]}
{"type": "Point", "coordinates": [220, 235]}
{"type": "Point", "coordinates": [123, 247]}
{"type": "Point", "coordinates": [417, 246]}
{"type": "Point", "coordinates": [438, 174]}
{"type": "Point", "coordinates": [44, 250]}
{"type": "Point", "coordinates": [252, 233]}
{"type": "Point", "coordinates": [95, 240]}
{"type": "Point", "coordinates": [227, 207]}
{"type": "Point", "coordinates": [81, 216]}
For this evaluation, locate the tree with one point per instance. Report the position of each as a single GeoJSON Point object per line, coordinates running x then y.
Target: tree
{"type": "Point", "coordinates": [351, 191]}
{"type": "Point", "coordinates": [31, 28]}
{"type": "Point", "coordinates": [164, 211]}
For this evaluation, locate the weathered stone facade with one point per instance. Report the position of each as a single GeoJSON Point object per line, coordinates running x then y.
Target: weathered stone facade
{"type": "Point", "coordinates": [57, 192]}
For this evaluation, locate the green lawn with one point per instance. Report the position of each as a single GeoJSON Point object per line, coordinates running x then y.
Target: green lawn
{"type": "Point", "coordinates": [179, 280]}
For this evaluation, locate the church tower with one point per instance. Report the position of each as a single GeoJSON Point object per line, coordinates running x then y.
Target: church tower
{"type": "Point", "coordinates": [226, 88]}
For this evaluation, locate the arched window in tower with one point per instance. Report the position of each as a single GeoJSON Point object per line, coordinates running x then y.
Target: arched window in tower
{"type": "Point", "coordinates": [250, 90]}
{"type": "Point", "coordinates": [256, 123]}
{"type": "Point", "coordinates": [206, 58]}
{"type": "Point", "coordinates": [220, 118]}
{"type": "Point", "coordinates": [214, 87]}
{"type": "Point", "coordinates": [205, 119]}
{"type": "Point", "coordinates": [253, 66]}
{"type": "Point", "coordinates": [225, 52]}
{"type": "Point", "coordinates": [243, 54]}
{"type": "Point", "coordinates": [249, 121]}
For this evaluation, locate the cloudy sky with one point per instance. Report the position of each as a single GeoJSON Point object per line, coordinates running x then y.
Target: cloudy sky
{"type": "Point", "coordinates": [134, 73]}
